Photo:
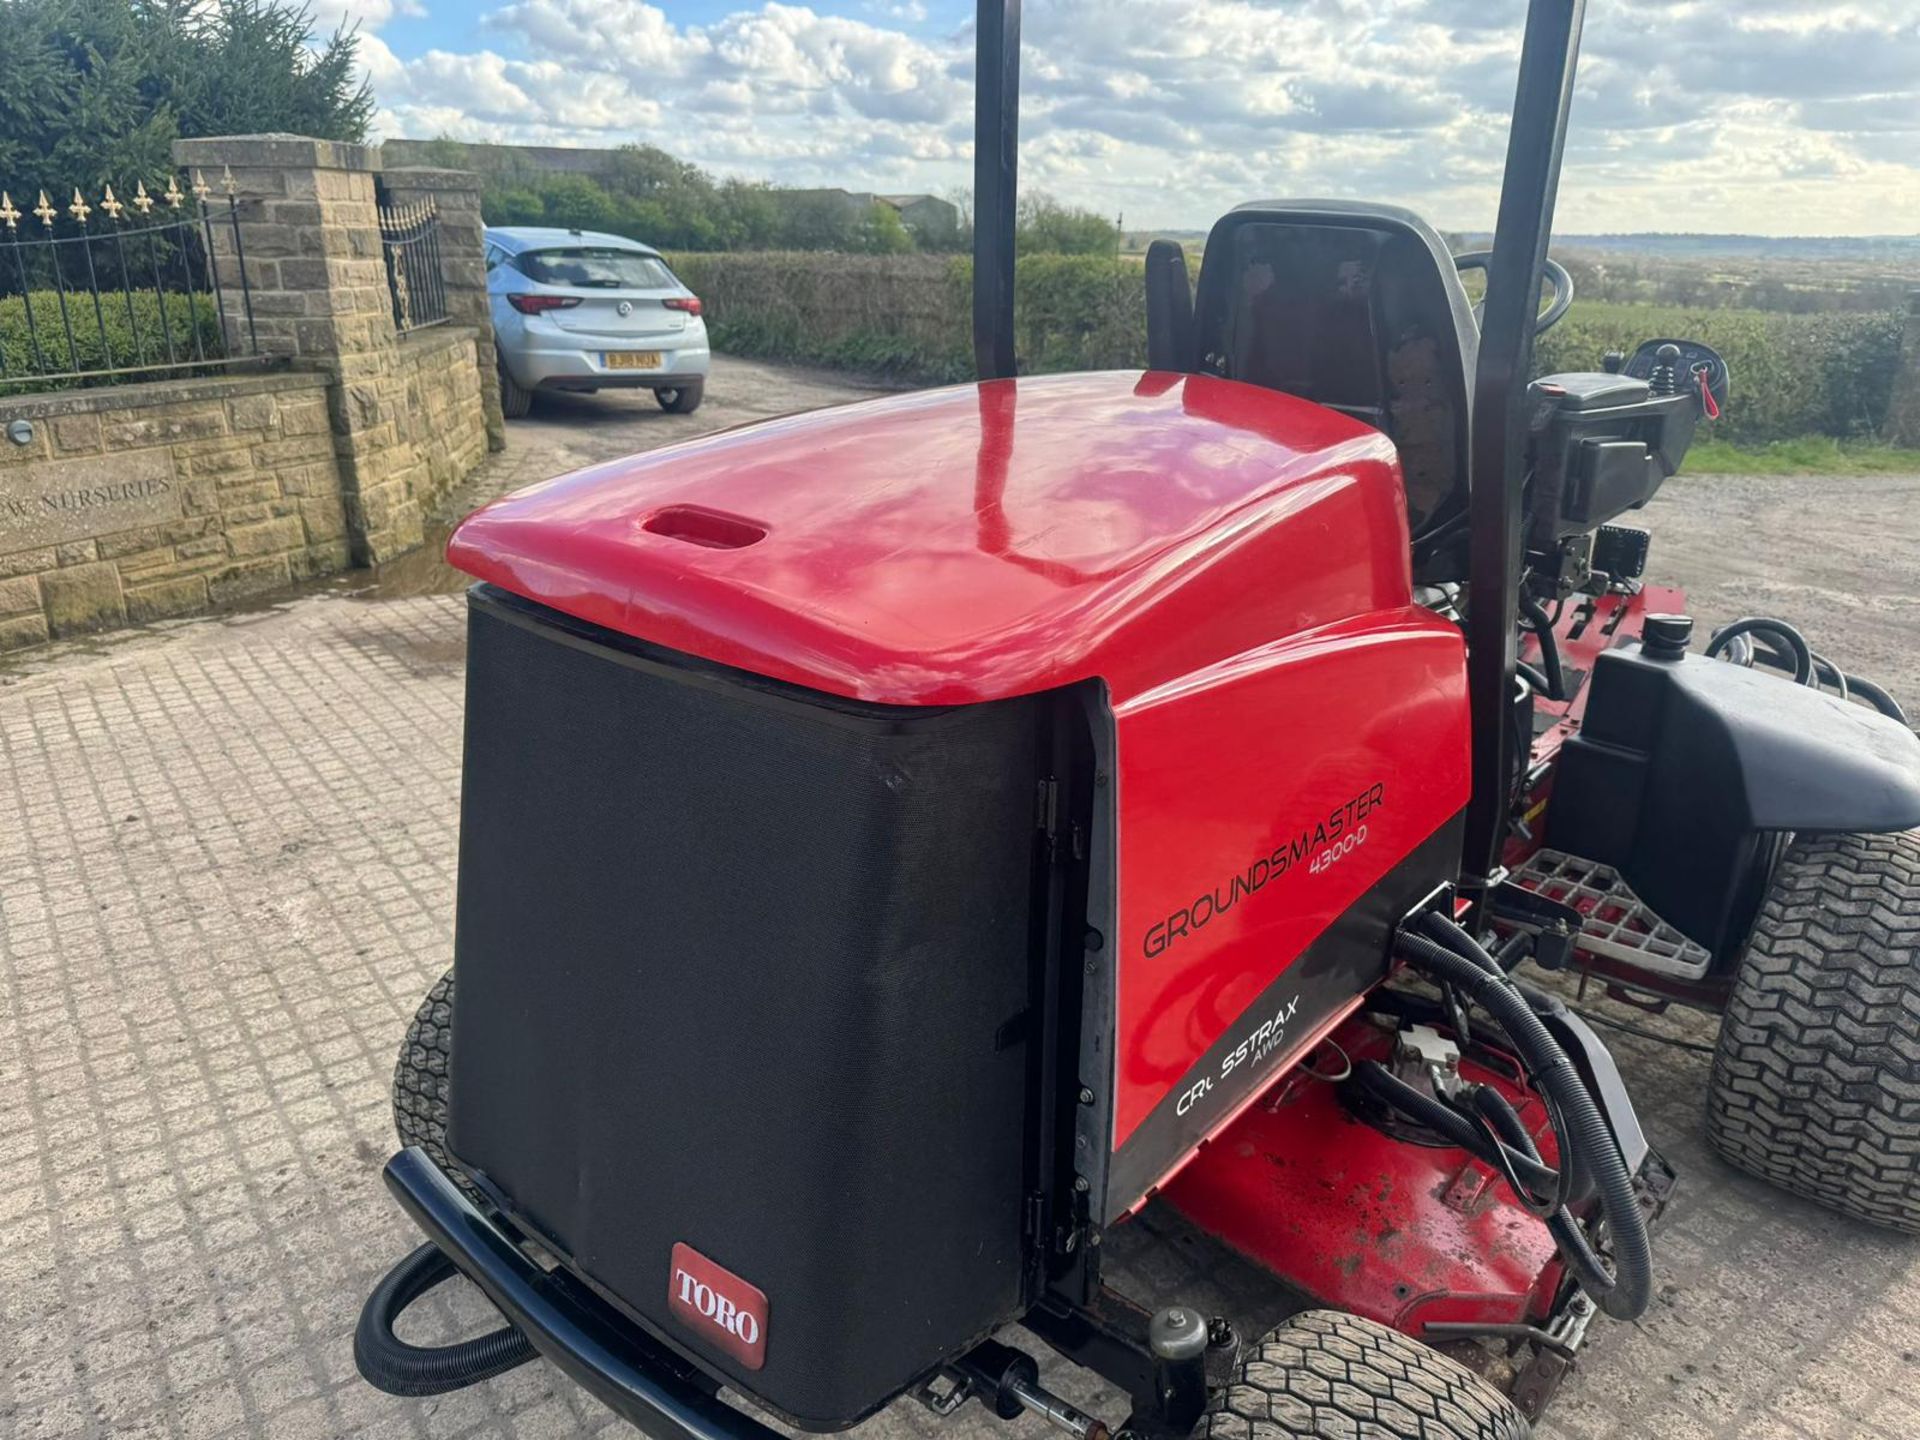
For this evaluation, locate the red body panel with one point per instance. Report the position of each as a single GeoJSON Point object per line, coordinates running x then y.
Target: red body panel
{"type": "Point", "coordinates": [1399, 1232]}
{"type": "Point", "coordinates": [974, 543]}
{"type": "Point", "coordinates": [1304, 771]}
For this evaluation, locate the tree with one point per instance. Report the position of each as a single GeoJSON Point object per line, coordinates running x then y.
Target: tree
{"type": "Point", "coordinates": [1046, 227]}
{"type": "Point", "coordinates": [94, 92]}
{"type": "Point", "coordinates": [882, 232]}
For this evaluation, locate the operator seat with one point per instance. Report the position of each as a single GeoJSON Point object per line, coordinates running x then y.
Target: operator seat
{"type": "Point", "coordinates": [1359, 308]}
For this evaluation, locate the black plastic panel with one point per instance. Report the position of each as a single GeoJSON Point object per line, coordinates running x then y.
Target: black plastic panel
{"type": "Point", "coordinates": [1684, 768]}
{"type": "Point", "coordinates": [744, 967]}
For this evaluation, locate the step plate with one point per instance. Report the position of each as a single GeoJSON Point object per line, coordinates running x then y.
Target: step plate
{"type": "Point", "coordinates": [1617, 924]}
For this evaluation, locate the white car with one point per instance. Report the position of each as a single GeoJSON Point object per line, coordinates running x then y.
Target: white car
{"type": "Point", "coordinates": [578, 310]}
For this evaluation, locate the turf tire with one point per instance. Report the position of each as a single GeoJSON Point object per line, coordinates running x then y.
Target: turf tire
{"type": "Point", "coordinates": [1816, 1077]}
{"type": "Point", "coordinates": [420, 1078]}
{"type": "Point", "coordinates": [1324, 1375]}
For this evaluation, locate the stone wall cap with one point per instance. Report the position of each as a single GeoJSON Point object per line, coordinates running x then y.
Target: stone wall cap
{"type": "Point", "coordinates": [273, 151]}
{"type": "Point", "coordinates": [155, 392]}
{"type": "Point", "coordinates": [429, 177]}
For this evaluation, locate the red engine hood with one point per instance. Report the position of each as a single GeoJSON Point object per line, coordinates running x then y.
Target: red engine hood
{"type": "Point", "coordinates": [974, 543]}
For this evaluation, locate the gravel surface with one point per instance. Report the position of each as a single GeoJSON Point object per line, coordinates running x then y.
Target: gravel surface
{"type": "Point", "coordinates": [227, 855]}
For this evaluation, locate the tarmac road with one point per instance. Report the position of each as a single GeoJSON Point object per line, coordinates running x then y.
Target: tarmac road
{"type": "Point", "coordinates": [227, 855]}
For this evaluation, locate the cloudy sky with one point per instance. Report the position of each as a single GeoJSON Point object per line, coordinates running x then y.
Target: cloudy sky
{"type": "Point", "coordinates": [1765, 116]}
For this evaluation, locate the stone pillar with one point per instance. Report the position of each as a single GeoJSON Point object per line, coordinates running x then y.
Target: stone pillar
{"type": "Point", "coordinates": [311, 235]}
{"type": "Point", "coordinates": [463, 269]}
{"type": "Point", "coordinates": [1903, 411]}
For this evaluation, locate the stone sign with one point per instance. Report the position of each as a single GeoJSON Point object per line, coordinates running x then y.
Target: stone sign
{"type": "Point", "coordinates": [52, 502]}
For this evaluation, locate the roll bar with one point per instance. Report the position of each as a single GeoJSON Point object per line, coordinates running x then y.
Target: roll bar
{"type": "Point", "coordinates": [996, 178]}
{"type": "Point", "coordinates": [1535, 143]}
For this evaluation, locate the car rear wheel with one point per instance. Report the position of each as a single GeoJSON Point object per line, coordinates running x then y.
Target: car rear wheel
{"type": "Point", "coordinates": [681, 399]}
{"type": "Point", "coordinates": [1324, 1375]}
{"type": "Point", "coordinates": [1816, 1078]}
{"type": "Point", "coordinates": [515, 399]}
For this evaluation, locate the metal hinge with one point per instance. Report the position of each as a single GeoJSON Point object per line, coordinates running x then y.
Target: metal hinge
{"type": "Point", "coordinates": [1047, 816]}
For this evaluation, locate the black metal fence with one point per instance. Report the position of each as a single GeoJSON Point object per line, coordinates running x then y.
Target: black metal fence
{"type": "Point", "coordinates": [121, 289]}
{"type": "Point", "coordinates": [410, 236]}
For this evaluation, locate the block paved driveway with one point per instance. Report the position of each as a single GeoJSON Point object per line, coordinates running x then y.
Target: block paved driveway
{"type": "Point", "coordinates": [226, 877]}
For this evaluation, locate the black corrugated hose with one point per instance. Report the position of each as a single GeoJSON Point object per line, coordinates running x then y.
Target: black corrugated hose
{"type": "Point", "coordinates": [389, 1363]}
{"type": "Point", "coordinates": [1590, 1159]}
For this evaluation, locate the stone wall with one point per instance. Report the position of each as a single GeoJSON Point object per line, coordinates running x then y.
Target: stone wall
{"type": "Point", "coordinates": [140, 502]}
{"type": "Point", "coordinates": [439, 418]}
{"type": "Point", "coordinates": [136, 502]}
{"type": "Point", "coordinates": [309, 226]}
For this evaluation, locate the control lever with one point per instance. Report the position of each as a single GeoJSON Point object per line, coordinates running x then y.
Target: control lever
{"type": "Point", "coordinates": [1665, 379]}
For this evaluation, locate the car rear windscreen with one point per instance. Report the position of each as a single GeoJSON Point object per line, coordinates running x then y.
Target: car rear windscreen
{"type": "Point", "coordinates": [597, 269]}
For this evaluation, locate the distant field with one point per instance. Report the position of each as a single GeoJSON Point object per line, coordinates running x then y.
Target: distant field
{"type": "Point", "coordinates": [1793, 276]}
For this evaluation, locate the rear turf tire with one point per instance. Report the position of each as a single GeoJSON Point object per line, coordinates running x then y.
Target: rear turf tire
{"type": "Point", "coordinates": [420, 1077]}
{"type": "Point", "coordinates": [515, 399]}
{"type": "Point", "coordinates": [1816, 1078]}
{"type": "Point", "coordinates": [682, 399]}
{"type": "Point", "coordinates": [1324, 1375]}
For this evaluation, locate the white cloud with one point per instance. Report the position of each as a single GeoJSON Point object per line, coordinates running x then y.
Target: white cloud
{"type": "Point", "coordinates": [1777, 115]}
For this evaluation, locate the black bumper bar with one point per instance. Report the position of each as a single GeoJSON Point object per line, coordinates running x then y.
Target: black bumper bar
{"type": "Point", "coordinates": [634, 1375]}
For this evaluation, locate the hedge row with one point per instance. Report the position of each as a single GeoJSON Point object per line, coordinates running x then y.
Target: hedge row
{"type": "Point", "coordinates": [909, 316]}
{"type": "Point", "coordinates": [106, 339]}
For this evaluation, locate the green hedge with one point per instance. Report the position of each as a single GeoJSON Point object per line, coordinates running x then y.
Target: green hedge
{"type": "Point", "coordinates": [116, 346]}
{"type": "Point", "coordinates": [1828, 374]}
{"type": "Point", "coordinates": [908, 316]}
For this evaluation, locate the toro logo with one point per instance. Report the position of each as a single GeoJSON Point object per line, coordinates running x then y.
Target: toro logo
{"type": "Point", "coordinates": [718, 1306]}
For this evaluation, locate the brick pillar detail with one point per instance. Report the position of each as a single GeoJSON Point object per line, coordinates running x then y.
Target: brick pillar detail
{"type": "Point", "coordinates": [463, 269]}
{"type": "Point", "coordinates": [309, 225]}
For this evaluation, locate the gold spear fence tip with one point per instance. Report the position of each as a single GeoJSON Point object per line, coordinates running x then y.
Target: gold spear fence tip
{"type": "Point", "coordinates": [227, 182]}
{"type": "Point", "coordinates": [112, 206]}
{"type": "Point", "coordinates": [9, 213]}
{"type": "Point", "coordinates": [200, 187]}
{"type": "Point", "coordinates": [142, 201]}
{"type": "Point", "coordinates": [79, 209]}
{"type": "Point", "coordinates": [172, 194]}
{"type": "Point", "coordinates": [45, 210]}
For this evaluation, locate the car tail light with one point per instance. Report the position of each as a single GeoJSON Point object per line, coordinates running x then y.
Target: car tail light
{"type": "Point", "coordinates": [540, 304]}
{"type": "Point", "coordinates": [690, 304]}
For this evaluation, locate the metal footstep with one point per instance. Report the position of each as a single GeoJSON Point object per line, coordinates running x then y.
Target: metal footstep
{"type": "Point", "coordinates": [1616, 924]}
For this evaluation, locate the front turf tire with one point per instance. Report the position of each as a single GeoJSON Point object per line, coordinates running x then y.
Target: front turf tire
{"type": "Point", "coordinates": [681, 399]}
{"type": "Point", "coordinates": [1816, 1078]}
{"type": "Point", "coordinates": [1324, 1375]}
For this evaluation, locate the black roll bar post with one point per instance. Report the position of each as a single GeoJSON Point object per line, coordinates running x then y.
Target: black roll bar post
{"type": "Point", "coordinates": [1548, 56]}
{"type": "Point", "coordinates": [996, 167]}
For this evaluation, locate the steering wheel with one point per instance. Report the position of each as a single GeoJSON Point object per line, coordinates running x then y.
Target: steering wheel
{"type": "Point", "coordinates": [1552, 271]}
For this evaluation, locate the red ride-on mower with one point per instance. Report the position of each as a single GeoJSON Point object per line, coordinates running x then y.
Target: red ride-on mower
{"type": "Point", "coordinates": [900, 841]}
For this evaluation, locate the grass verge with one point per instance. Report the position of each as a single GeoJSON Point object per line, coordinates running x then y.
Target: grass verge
{"type": "Point", "coordinates": [1806, 455]}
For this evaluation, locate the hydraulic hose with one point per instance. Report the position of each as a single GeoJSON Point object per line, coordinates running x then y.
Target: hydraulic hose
{"type": "Point", "coordinates": [389, 1363]}
{"type": "Point", "coordinates": [1847, 686]}
{"type": "Point", "coordinates": [1763, 628]}
{"type": "Point", "coordinates": [1585, 1139]}
{"type": "Point", "coordinates": [1542, 627]}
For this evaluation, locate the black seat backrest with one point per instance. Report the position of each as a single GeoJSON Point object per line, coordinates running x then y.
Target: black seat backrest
{"type": "Point", "coordinates": [1359, 308]}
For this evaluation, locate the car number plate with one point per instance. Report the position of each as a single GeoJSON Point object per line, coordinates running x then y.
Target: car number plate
{"type": "Point", "coordinates": [633, 359]}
